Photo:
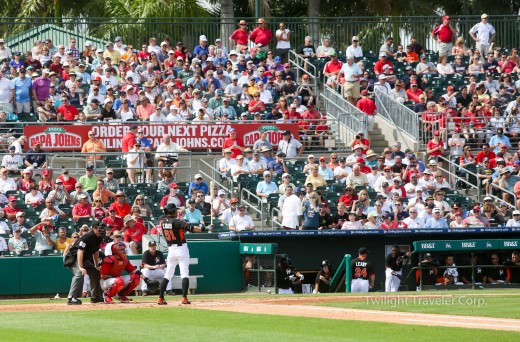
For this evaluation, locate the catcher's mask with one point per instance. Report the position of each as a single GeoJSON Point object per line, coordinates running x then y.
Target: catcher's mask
{"type": "Point", "coordinates": [119, 250]}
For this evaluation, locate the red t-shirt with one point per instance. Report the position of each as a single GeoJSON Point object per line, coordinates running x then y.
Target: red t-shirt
{"type": "Point", "coordinates": [332, 66]}
{"type": "Point", "coordinates": [121, 210]}
{"type": "Point", "coordinates": [378, 67]}
{"type": "Point", "coordinates": [481, 155]}
{"type": "Point", "coordinates": [261, 36]}
{"type": "Point", "coordinates": [117, 223]}
{"type": "Point", "coordinates": [431, 145]}
{"type": "Point", "coordinates": [127, 143]}
{"type": "Point", "coordinates": [81, 210]}
{"type": "Point", "coordinates": [69, 112]}
{"type": "Point", "coordinates": [240, 36]}
{"type": "Point", "coordinates": [347, 199]}
{"type": "Point", "coordinates": [401, 191]}
{"type": "Point", "coordinates": [135, 233]}
{"type": "Point", "coordinates": [444, 33]}
{"type": "Point", "coordinates": [230, 142]}
{"type": "Point", "coordinates": [70, 184]}
{"type": "Point", "coordinates": [10, 210]}
{"type": "Point", "coordinates": [367, 106]}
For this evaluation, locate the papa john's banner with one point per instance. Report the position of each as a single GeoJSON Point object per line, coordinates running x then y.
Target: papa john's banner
{"type": "Point", "coordinates": [189, 136]}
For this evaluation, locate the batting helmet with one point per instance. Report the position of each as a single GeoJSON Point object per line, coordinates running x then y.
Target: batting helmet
{"type": "Point", "coordinates": [119, 249]}
{"type": "Point", "coordinates": [284, 259]}
{"type": "Point", "coordinates": [325, 263]}
{"type": "Point", "coordinates": [170, 209]}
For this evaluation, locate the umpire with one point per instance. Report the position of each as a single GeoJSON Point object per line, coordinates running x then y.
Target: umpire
{"type": "Point", "coordinates": [82, 259]}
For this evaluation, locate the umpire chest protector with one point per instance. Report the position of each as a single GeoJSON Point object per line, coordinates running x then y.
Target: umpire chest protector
{"type": "Point", "coordinates": [173, 230]}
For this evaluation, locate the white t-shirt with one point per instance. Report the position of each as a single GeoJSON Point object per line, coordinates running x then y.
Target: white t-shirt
{"type": "Point", "coordinates": [282, 44]}
{"type": "Point", "coordinates": [289, 148]}
{"type": "Point", "coordinates": [338, 170]}
{"type": "Point", "coordinates": [6, 86]}
{"type": "Point", "coordinates": [241, 222]}
{"type": "Point", "coordinates": [483, 32]}
{"type": "Point", "coordinates": [291, 209]}
{"type": "Point", "coordinates": [354, 51]}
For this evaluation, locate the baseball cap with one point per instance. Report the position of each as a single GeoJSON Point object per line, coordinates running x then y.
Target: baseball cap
{"type": "Point", "coordinates": [128, 218]}
{"type": "Point", "coordinates": [197, 176]}
{"type": "Point", "coordinates": [152, 243]}
{"type": "Point", "coordinates": [174, 185]}
{"type": "Point", "coordinates": [221, 192]}
{"type": "Point", "coordinates": [445, 18]}
{"type": "Point", "coordinates": [436, 210]}
{"type": "Point", "coordinates": [382, 54]}
{"type": "Point", "coordinates": [364, 92]}
{"type": "Point", "coordinates": [191, 201]}
{"type": "Point", "coordinates": [266, 173]}
{"type": "Point", "coordinates": [342, 159]}
{"type": "Point", "coordinates": [363, 250]}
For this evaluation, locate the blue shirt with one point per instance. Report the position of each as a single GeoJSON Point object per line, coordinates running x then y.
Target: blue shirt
{"type": "Point", "coordinates": [310, 217]}
{"type": "Point", "coordinates": [327, 173]}
{"type": "Point", "coordinates": [276, 167]}
{"type": "Point", "coordinates": [199, 50]}
{"type": "Point", "coordinates": [194, 187]}
{"type": "Point", "coordinates": [266, 188]}
{"type": "Point", "coordinates": [433, 223]}
{"type": "Point", "coordinates": [22, 89]}
{"type": "Point", "coordinates": [194, 217]}
{"type": "Point", "coordinates": [145, 142]}
{"type": "Point", "coordinates": [499, 140]}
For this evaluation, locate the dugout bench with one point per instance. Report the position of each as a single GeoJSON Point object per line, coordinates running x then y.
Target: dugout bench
{"type": "Point", "coordinates": [459, 247]}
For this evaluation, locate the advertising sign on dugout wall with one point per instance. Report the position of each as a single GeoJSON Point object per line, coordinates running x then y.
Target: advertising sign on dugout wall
{"type": "Point", "coordinates": [192, 137]}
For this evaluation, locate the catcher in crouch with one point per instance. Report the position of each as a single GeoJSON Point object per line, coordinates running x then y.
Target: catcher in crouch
{"type": "Point", "coordinates": [112, 283]}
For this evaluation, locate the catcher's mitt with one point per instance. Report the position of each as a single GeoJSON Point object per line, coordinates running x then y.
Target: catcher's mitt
{"type": "Point", "coordinates": [153, 286]}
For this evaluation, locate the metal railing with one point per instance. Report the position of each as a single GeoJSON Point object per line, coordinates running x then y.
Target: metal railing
{"type": "Point", "coordinates": [404, 119]}
{"type": "Point", "coordinates": [350, 120]}
{"type": "Point", "coordinates": [450, 169]}
{"type": "Point", "coordinates": [304, 67]}
{"type": "Point", "coordinates": [372, 31]}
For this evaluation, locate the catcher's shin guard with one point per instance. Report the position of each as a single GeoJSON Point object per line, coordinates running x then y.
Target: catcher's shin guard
{"type": "Point", "coordinates": [117, 286]}
{"type": "Point", "coordinates": [135, 280]}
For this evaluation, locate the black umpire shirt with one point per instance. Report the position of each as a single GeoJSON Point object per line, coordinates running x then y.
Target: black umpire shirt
{"type": "Point", "coordinates": [89, 243]}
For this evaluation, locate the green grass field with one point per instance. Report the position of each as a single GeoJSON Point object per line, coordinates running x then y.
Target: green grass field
{"type": "Point", "coordinates": [182, 324]}
{"type": "Point", "coordinates": [500, 306]}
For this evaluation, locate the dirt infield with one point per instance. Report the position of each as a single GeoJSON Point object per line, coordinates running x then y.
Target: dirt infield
{"type": "Point", "coordinates": [297, 306]}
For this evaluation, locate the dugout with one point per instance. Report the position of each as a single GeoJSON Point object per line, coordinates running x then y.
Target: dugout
{"type": "Point", "coordinates": [308, 248]}
{"type": "Point", "coordinates": [461, 250]}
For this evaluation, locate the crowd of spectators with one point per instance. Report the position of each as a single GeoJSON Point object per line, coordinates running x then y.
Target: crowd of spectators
{"type": "Point", "coordinates": [165, 82]}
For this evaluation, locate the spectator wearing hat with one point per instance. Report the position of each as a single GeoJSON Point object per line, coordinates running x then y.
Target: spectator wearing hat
{"type": "Point", "coordinates": [44, 235]}
{"type": "Point", "coordinates": [456, 144]}
{"type": "Point", "coordinates": [198, 184]}
{"type": "Point", "coordinates": [114, 221]}
{"type": "Point", "coordinates": [436, 221]}
{"type": "Point", "coordinates": [278, 166]}
{"type": "Point", "coordinates": [360, 141]}
{"type": "Point", "coordinates": [382, 85]}
{"type": "Point", "coordinates": [367, 105]}
{"type": "Point", "coordinates": [12, 161]}
{"type": "Point", "coordinates": [115, 55]}
{"type": "Point", "coordinates": [262, 35]}
{"type": "Point", "coordinates": [226, 162]}
{"type": "Point", "coordinates": [333, 69]}
{"type": "Point", "coordinates": [23, 91]}
{"type": "Point", "coordinates": [342, 171]}
{"type": "Point", "coordinates": [202, 48]}
{"type": "Point", "coordinates": [378, 66]}
{"type": "Point", "coordinates": [220, 203]}
{"type": "Point", "coordinates": [82, 209]}
{"type": "Point", "coordinates": [444, 34]}
{"type": "Point", "coordinates": [241, 221]}
{"type": "Point", "coordinates": [266, 187]}
{"type": "Point", "coordinates": [499, 142]}
{"type": "Point", "coordinates": [194, 217]}
{"type": "Point", "coordinates": [229, 212]}
{"type": "Point", "coordinates": [515, 221]}
{"type": "Point", "coordinates": [122, 208]}
{"type": "Point", "coordinates": [88, 180]}
{"type": "Point", "coordinates": [134, 232]}
{"type": "Point", "coordinates": [110, 182]}
{"type": "Point", "coordinates": [60, 194]}
{"type": "Point", "coordinates": [235, 144]}
{"type": "Point", "coordinates": [483, 34]}
{"type": "Point", "coordinates": [477, 220]}
{"type": "Point", "coordinates": [290, 146]}
{"type": "Point", "coordinates": [354, 49]}
{"type": "Point", "coordinates": [324, 170]}
{"type": "Point", "coordinates": [508, 181]}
